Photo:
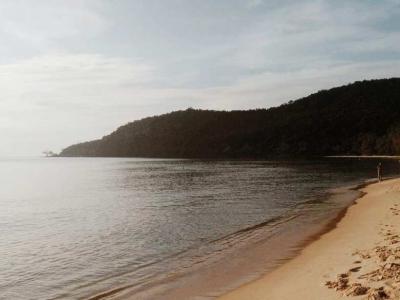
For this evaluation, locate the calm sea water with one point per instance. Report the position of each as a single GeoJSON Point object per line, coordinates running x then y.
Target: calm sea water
{"type": "Point", "coordinates": [72, 228]}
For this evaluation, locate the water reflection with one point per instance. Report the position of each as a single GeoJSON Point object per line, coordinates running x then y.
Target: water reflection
{"type": "Point", "coordinates": [72, 228]}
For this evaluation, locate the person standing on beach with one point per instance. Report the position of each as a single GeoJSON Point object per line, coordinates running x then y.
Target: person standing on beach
{"type": "Point", "coordinates": [379, 170]}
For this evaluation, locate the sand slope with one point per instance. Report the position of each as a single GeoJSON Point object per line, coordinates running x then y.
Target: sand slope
{"type": "Point", "coordinates": [361, 256]}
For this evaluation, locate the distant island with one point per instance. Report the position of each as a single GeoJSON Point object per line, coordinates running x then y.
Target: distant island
{"type": "Point", "coordinates": [362, 118]}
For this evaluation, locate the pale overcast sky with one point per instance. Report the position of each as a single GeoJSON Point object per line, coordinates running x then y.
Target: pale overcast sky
{"type": "Point", "coordinates": [72, 70]}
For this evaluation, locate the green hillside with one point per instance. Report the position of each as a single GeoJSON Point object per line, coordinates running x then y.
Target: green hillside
{"type": "Point", "coordinates": [359, 118]}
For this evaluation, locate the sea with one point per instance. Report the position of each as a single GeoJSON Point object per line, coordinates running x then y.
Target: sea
{"type": "Point", "coordinates": [131, 228]}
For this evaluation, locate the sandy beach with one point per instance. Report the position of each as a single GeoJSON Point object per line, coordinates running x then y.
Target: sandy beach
{"type": "Point", "coordinates": [359, 258]}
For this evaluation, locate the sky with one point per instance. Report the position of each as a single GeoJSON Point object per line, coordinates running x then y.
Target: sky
{"type": "Point", "coordinates": [75, 70]}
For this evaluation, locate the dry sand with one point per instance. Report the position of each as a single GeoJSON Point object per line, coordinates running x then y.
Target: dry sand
{"type": "Point", "coordinates": [359, 259]}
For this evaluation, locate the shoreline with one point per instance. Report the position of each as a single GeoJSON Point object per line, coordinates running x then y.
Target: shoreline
{"type": "Point", "coordinates": [259, 255]}
{"type": "Point", "coordinates": [326, 255]}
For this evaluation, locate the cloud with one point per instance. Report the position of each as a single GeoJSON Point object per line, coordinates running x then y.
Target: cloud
{"type": "Point", "coordinates": [301, 33]}
{"type": "Point", "coordinates": [254, 3]}
{"type": "Point", "coordinates": [75, 78]}
{"type": "Point", "coordinates": [75, 70]}
{"type": "Point", "coordinates": [64, 93]}
{"type": "Point", "coordinates": [272, 89]}
{"type": "Point", "coordinates": [31, 28]}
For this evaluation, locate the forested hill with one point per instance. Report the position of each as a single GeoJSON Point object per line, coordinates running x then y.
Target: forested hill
{"type": "Point", "coordinates": [359, 118]}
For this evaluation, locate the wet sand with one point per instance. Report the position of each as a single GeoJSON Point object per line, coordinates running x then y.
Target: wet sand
{"type": "Point", "coordinates": [359, 258]}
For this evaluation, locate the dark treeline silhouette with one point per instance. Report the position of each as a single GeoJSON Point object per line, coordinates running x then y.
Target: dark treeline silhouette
{"type": "Point", "coordinates": [362, 118]}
